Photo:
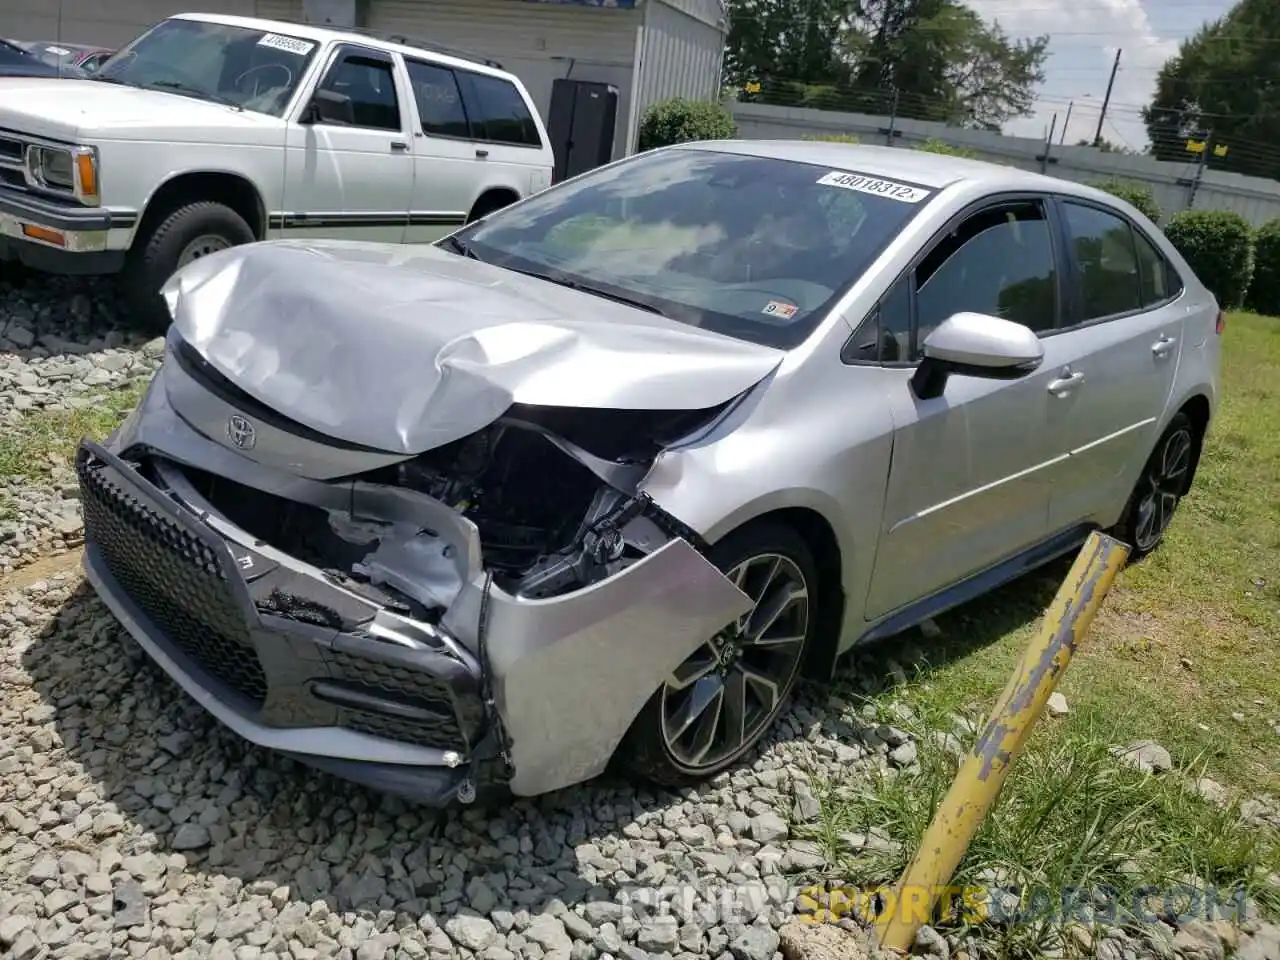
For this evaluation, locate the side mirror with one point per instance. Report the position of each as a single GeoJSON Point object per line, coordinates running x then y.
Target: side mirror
{"type": "Point", "coordinates": [975, 345]}
{"type": "Point", "coordinates": [329, 106]}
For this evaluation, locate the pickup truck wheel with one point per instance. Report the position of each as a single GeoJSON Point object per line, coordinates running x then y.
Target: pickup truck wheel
{"type": "Point", "coordinates": [188, 233]}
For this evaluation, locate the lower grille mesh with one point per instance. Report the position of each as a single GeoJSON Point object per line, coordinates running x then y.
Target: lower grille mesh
{"type": "Point", "coordinates": [173, 576]}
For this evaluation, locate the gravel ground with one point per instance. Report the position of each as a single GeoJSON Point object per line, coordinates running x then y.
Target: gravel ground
{"type": "Point", "coordinates": [62, 347]}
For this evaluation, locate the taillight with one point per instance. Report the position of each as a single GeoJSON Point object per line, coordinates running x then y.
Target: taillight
{"type": "Point", "coordinates": [1222, 322]}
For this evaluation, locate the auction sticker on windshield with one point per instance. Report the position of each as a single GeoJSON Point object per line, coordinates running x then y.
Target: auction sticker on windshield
{"type": "Point", "coordinates": [288, 44]}
{"type": "Point", "coordinates": [874, 185]}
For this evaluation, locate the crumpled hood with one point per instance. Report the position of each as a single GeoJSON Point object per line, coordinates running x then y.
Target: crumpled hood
{"type": "Point", "coordinates": [406, 347]}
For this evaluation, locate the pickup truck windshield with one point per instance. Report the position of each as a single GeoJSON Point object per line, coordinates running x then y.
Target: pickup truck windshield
{"type": "Point", "coordinates": [236, 66]}
{"type": "Point", "coordinates": [752, 247]}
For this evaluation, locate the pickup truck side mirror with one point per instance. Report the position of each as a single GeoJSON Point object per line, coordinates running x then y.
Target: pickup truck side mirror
{"type": "Point", "coordinates": [329, 106]}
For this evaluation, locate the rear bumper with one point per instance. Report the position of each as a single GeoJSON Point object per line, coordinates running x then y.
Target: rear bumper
{"type": "Point", "coordinates": [325, 682]}
{"type": "Point", "coordinates": [88, 240]}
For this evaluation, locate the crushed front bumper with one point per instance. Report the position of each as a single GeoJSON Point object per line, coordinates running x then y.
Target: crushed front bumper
{"type": "Point", "coordinates": [374, 699]}
{"type": "Point", "coordinates": [370, 696]}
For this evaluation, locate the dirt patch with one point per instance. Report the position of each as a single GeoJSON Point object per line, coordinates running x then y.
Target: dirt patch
{"type": "Point", "coordinates": [43, 569]}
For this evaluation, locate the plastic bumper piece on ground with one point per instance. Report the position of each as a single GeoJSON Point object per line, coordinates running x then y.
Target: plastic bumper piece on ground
{"type": "Point", "coordinates": [286, 660]}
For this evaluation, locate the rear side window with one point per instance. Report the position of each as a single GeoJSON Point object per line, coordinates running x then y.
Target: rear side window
{"type": "Point", "coordinates": [497, 111]}
{"type": "Point", "coordinates": [1159, 281]}
{"type": "Point", "coordinates": [1103, 243]}
{"type": "Point", "coordinates": [435, 89]}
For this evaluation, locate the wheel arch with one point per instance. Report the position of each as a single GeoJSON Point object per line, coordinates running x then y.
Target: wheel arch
{"type": "Point", "coordinates": [819, 534]}
{"type": "Point", "coordinates": [492, 198]}
{"type": "Point", "coordinates": [231, 189]}
{"type": "Point", "coordinates": [1199, 411]}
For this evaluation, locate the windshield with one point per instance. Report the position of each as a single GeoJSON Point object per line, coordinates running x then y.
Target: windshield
{"type": "Point", "coordinates": [251, 69]}
{"type": "Point", "coordinates": [751, 247]}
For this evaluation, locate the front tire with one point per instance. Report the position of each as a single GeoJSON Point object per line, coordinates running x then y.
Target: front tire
{"type": "Point", "coordinates": [1160, 488]}
{"type": "Point", "coordinates": [188, 233]}
{"type": "Point", "coordinates": [719, 703]}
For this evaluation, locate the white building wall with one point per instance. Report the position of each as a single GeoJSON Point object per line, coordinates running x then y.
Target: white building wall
{"type": "Point", "coordinates": [682, 51]}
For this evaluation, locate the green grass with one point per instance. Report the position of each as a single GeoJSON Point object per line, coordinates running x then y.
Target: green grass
{"type": "Point", "coordinates": [1183, 653]}
{"type": "Point", "coordinates": [45, 440]}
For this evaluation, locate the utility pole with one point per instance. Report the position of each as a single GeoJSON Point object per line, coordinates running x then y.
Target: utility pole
{"type": "Point", "coordinates": [1065, 123]}
{"type": "Point", "coordinates": [1048, 144]}
{"type": "Point", "coordinates": [893, 118]}
{"type": "Point", "coordinates": [1106, 101]}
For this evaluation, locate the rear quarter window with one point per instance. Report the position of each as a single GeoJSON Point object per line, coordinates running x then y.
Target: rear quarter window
{"type": "Point", "coordinates": [497, 111]}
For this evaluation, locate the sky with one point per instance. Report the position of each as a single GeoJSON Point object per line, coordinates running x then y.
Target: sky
{"type": "Point", "coordinates": [1084, 36]}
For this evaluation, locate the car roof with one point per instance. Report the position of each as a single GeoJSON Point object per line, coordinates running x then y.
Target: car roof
{"type": "Point", "coordinates": [308, 31]}
{"type": "Point", "coordinates": [933, 170]}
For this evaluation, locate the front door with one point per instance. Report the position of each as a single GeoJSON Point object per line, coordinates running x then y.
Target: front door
{"type": "Point", "coordinates": [1123, 345]}
{"type": "Point", "coordinates": [972, 470]}
{"type": "Point", "coordinates": [351, 178]}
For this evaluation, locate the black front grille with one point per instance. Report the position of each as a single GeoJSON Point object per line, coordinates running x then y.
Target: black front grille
{"type": "Point", "coordinates": [11, 149]}
{"type": "Point", "coordinates": [173, 576]}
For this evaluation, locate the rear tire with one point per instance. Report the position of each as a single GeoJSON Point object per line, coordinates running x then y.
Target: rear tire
{"type": "Point", "coordinates": [1160, 488]}
{"type": "Point", "coordinates": [778, 563]}
{"type": "Point", "coordinates": [186, 234]}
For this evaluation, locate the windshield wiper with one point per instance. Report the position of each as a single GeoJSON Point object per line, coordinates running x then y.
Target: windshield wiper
{"type": "Point", "coordinates": [461, 247]}
{"type": "Point", "coordinates": [178, 86]}
{"type": "Point", "coordinates": [594, 291]}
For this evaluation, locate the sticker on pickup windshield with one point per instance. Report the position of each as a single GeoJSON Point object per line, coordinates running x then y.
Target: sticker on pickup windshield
{"type": "Point", "coordinates": [288, 44]}
{"type": "Point", "coordinates": [875, 186]}
{"type": "Point", "coordinates": [60, 51]}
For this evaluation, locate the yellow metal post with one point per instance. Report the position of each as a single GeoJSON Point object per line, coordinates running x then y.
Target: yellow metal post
{"type": "Point", "coordinates": [984, 768]}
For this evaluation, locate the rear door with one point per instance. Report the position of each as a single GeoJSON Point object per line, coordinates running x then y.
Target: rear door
{"type": "Point", "coordinates": [354, 179]}
{"type": "Point", "coordinates": [508, 141]}
{"type": "Point", "coordinates": [447, 174]}
{"type": "Point", "coordinates": [1123, 338]}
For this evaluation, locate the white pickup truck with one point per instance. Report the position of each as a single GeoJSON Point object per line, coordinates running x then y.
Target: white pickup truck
{"type": "Point", "coordinates": [210, 131]}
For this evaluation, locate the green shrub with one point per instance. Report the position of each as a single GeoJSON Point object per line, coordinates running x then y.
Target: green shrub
{"type": "Point", "coordinates": [836, 138]}
{"type": "Point", "coordinates": [1264, 289]}
{"type": "Point", "coordinates": [934, 145]}
{"type": "Point", "coordinates": [679, 120]}
{"type": "Point", "coordinates": [1218, 244]}
{"type": "Point", "coordinates": [1137, 195]}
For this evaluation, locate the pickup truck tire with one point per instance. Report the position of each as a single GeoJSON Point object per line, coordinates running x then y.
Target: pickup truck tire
{"type": "Point", "coordinates": [187, 233]}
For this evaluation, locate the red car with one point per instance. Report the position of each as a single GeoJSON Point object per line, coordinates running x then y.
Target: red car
{"type": "Point", "coordinates": [85, 57]}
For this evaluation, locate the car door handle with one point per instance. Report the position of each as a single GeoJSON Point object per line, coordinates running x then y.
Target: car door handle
{"type": "Point", "coordinates": [481, 154]}
{"type": "Point", "coordinates": [1164, 346]}
{"type": "Point", "coordinates": [1062, 386]}
{"type": "Point", "coordinates": [399, 145]}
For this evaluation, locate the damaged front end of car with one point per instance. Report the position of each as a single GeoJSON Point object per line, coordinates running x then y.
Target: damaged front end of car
{"type": "Point", "coordinates": [493, 610]}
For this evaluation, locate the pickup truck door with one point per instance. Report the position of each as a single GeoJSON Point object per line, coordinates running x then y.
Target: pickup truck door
{"type": "Point", "coordinates": [351, 180]}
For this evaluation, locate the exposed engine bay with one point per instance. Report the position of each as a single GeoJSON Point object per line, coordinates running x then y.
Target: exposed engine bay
{"type": "Point", "coordinates": [552, 492]}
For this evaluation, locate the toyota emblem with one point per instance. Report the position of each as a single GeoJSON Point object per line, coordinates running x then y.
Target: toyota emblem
{"type": "Point", "coordinates": [240, 432]}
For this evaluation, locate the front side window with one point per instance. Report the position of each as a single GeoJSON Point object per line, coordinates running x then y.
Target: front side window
{"type": "Point", "coordinates": [999, 262]}
{"type": "Point", "coordinates": [238, 66]}
{"type": "Point", "coordinates": [370, 86]}
{"type": "Point", "coordinates": [752, 247]}
{"type": "Point", "coordinates": [435, 90]}
{"type": "Point", "coordinates": [1110, 282]}
{"type": "Point", "coordinates": [497, 111]}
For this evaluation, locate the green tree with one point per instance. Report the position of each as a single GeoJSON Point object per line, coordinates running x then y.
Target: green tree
{"type": "Point", "coordinates": [1224, 79]}
{"type": "Point", "coordinates": [936, 58]}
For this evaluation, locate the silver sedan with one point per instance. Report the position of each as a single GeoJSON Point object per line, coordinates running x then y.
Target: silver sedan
{"type": "Point", "coordinates": [601, 476]}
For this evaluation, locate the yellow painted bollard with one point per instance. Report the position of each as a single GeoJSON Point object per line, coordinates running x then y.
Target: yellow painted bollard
{"type": "Point", "coordinates": [984, 768]}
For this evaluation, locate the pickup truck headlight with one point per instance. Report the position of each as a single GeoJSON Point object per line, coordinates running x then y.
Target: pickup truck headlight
{"type": "Point", "coordinates": [73, 170]}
